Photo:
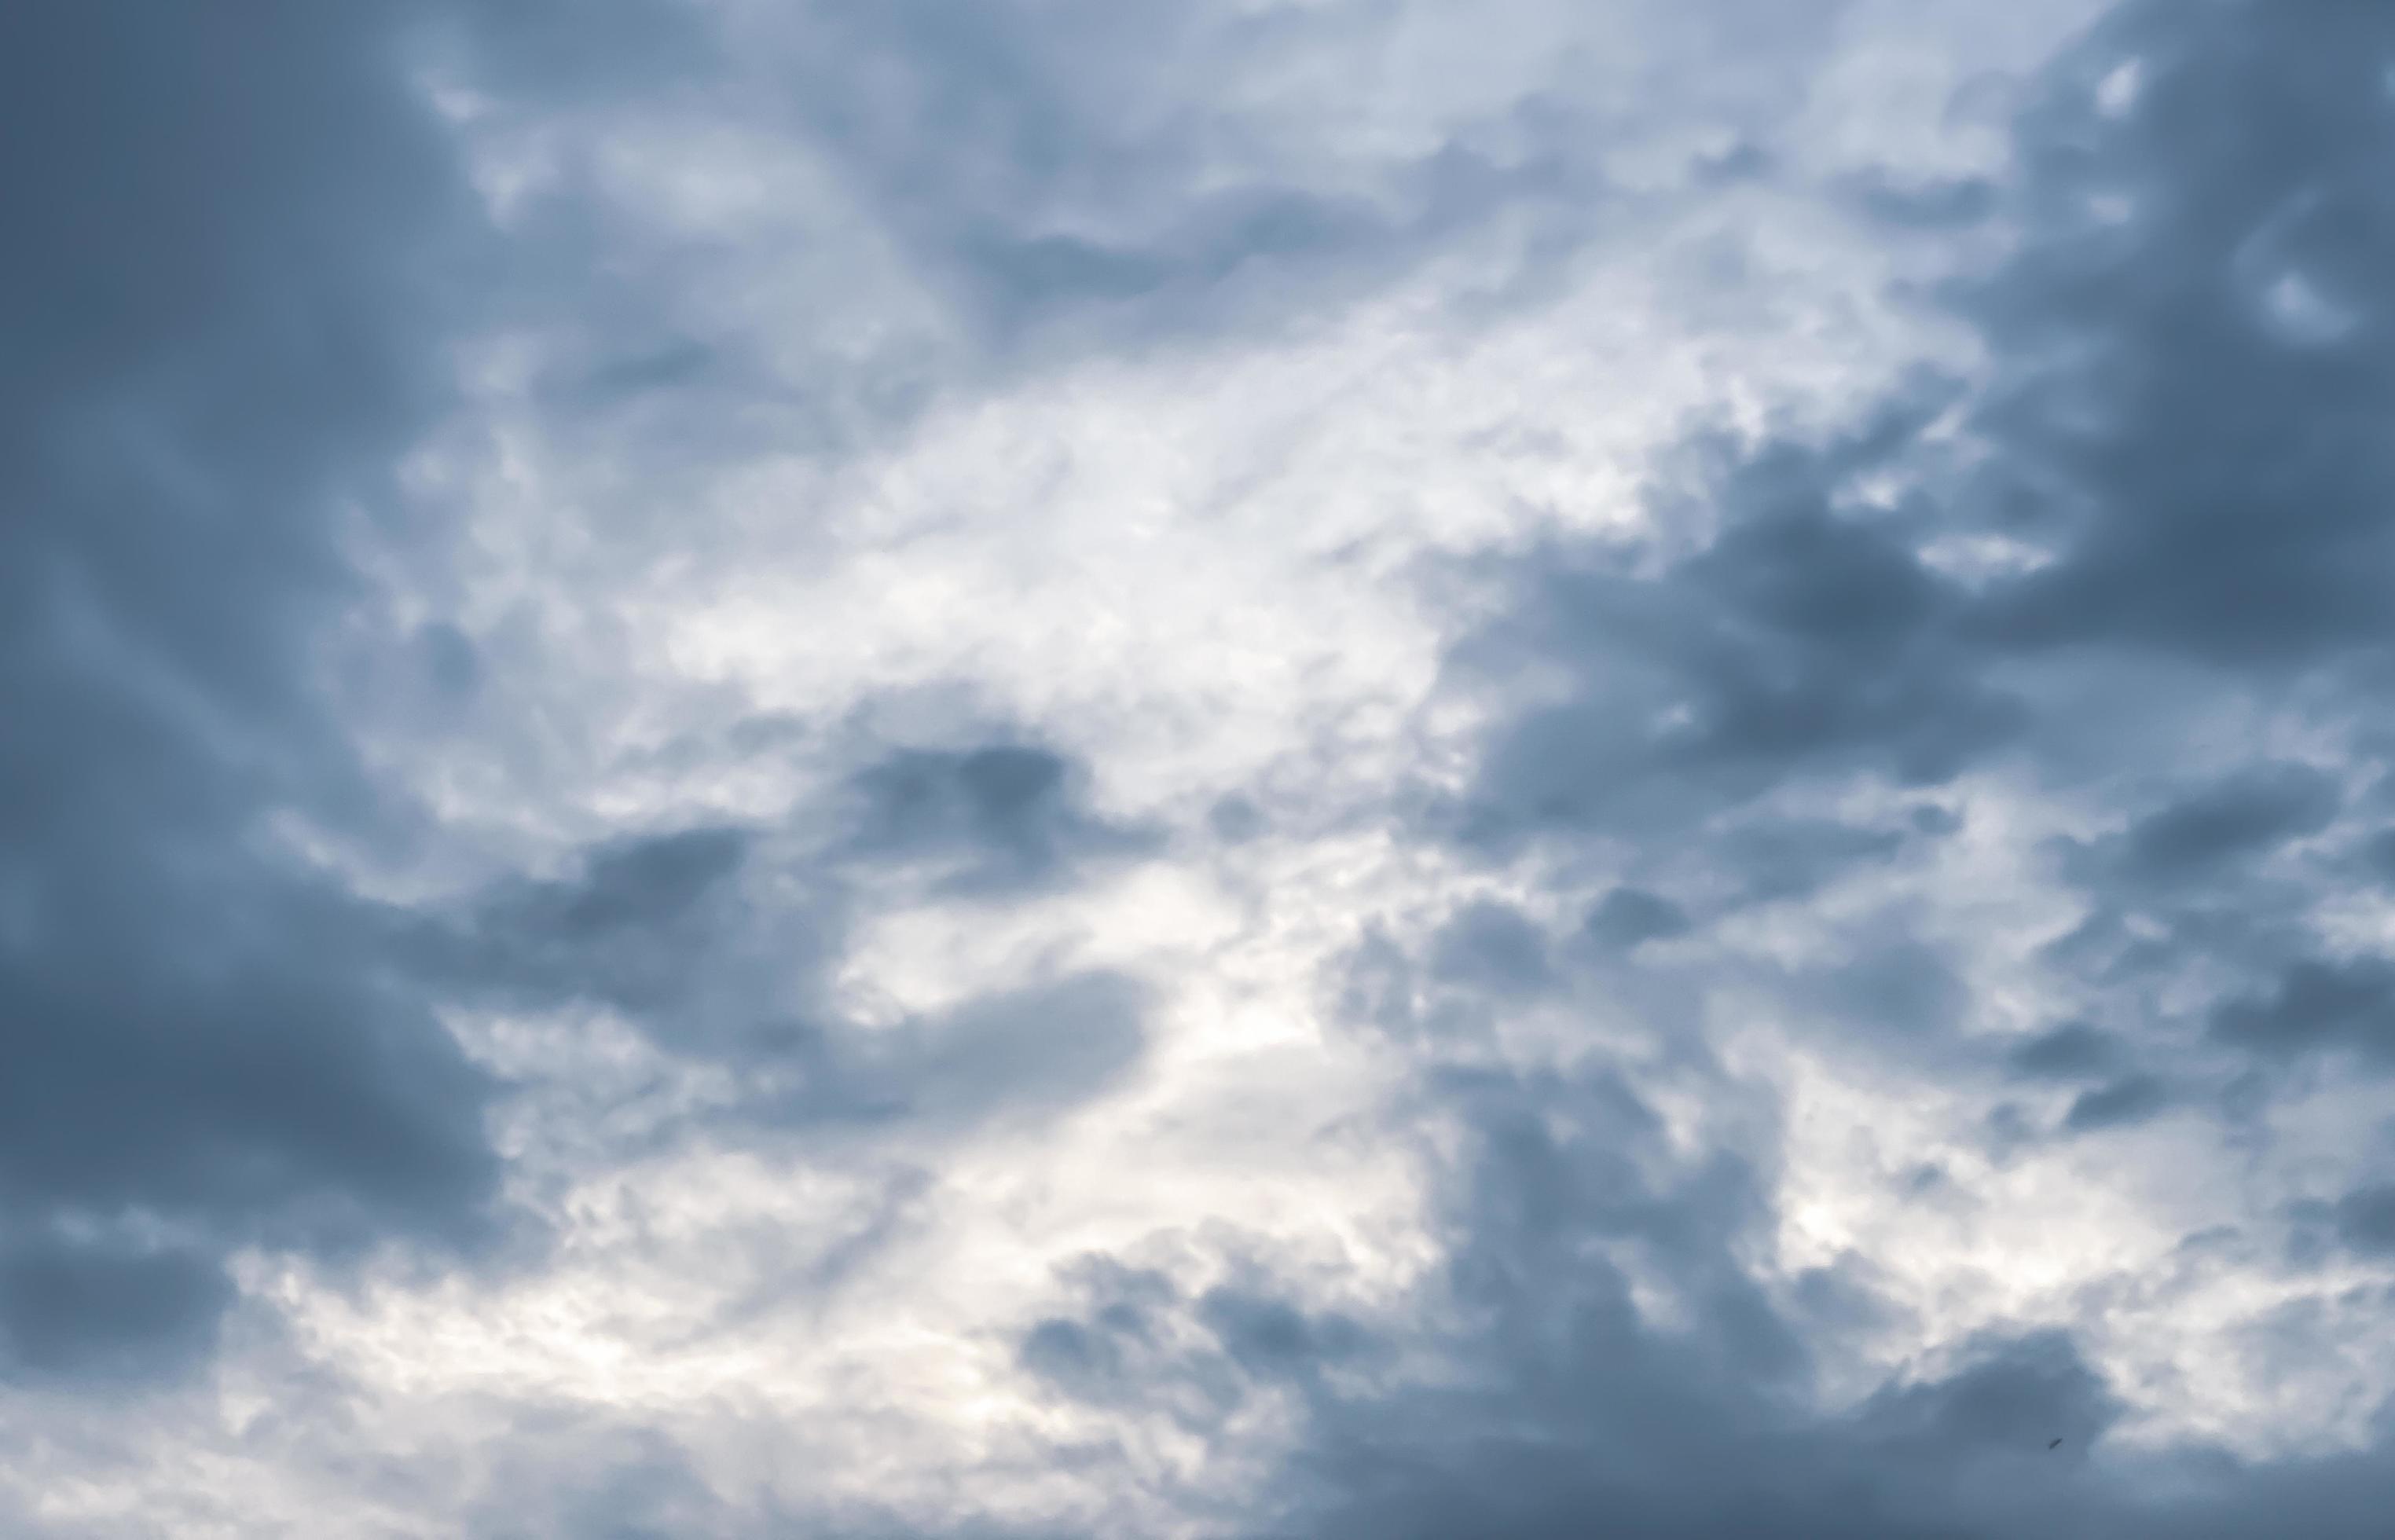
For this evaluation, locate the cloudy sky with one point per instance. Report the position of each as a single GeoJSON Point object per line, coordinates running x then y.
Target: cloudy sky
{"type": "Point", "coordinates": [1266, 769]}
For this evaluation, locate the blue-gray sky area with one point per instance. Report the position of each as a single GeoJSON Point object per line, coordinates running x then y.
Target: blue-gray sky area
{"type": "Point", "coordinates": [1217, 769]}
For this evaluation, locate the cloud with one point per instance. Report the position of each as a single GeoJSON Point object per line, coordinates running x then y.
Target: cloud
{"type": "Point", "coordinates": [86, 1312]}
{"type": "Point", "coordinates": [2072, 1051]}
{"type": "Point", "coordinates": [1029, 1052]}
{"type": "Point", "coordinates": [2312, 1006]}
{"type": "Point", "coordinates": [222, 277]}
{"type": "Point", "coordinates": [2129, 1099]}
{"type": "Point", "coordinates": [2186, 464]}
{"type": "Point", "coordinates": [1000, 817]}
{"type": "Point", "coordinates": [1824, 642]}
{"type": "Point", "coordinates": [1628, 916]}
{"type": "Point", "coordinates": [2365, 1218]}
{"type": "Point", "coordinates": [1333, 770]}
{"type": "Point", "coordinates": [1492, 946]}
{"type": "Point", "coordinates": [1785, 859]}
{"type": "Point", "coordinates": [2249, 813]}
{"type": "Point", "coordinates": [719, 944]}
{"type": "Point", "coordinates": [1801, 642]}
{"type": "Point", "coordinates": [651, 925]}
{"type": "Point", "coordinates": [1085, 177]}
{"type": "Point", "coordinates": [1575, 1399]}
{"type": "Point", "coordinates": [2181, 405]}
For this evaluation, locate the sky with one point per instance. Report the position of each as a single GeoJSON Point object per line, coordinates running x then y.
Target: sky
{"type": "Point", "coordinates": [1215, 769]}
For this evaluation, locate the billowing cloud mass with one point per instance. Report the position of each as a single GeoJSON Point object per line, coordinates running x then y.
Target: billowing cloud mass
{"type": "Point", "coordinates": [1219, 768]}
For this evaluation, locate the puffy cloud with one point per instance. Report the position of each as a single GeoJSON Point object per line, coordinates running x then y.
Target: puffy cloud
{"type": "Point", "coordinates": [1209, 769]}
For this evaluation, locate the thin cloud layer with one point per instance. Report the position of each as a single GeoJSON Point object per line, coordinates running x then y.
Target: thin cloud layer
{"type": "Point", "coordinates": [1210, 770]}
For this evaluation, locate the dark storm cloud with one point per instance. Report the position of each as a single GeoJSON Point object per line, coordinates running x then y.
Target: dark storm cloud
{"type": "Point", "coordinates": [223, 230]}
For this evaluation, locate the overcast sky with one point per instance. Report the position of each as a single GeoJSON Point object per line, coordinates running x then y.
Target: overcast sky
{"type": "Point", "coordinates": [1233, 769]}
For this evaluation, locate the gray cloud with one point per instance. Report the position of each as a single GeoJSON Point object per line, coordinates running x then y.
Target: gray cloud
{"type": "Point", "coordinates": [1083, 177]}
{"type": "Point", "coordinates": [1796, 643]}
{"type": "Point", "coordinates": [226, 295]}
{"type": "Point", "coordinates": [719, 943]}
{"type": "Point", "coordinates": [2365, 1218]}
{"type": "Point", "coordinates": [652, 925]}
{"type": "Point", "coordinates": [2187, 444]}
{"type": "Point", "coordinates": [1573, 1408]}
{"type": "Point", "coordinates": [2185, 403]}
{"type": "Point", "coordinates": [2072, 1051]}
{"type": "Point", "coordinates": [2130, 1099]}
{"type": "Point", "coordinates": [1028, 1052]}
{"type": "Point", "coordinates": [1782, 859]}
{"type": "Point", "coordinates": [1053, 172]}
{"type": "Point", "coordinates": [2314, 1006]}
{"type": "Point", "coordinates": [717, 940]}
{"type": "Point", "coordinates": [2379, 856]}
{"type": "Point", "coordinates": [1628, 916]}
{"type": "Point", "coordinates": [1491, 946]}
{"type": "Point", "coordinates": [2246, 814]}
{"type": "Point", "coordinates": [84, 1311]}
{"type": "Point", "coordinates": [224, 237]}
{"type": "Point", "coordinates": [996, 817]}
{"type": "Point", "coordinates": [1814, 643]}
